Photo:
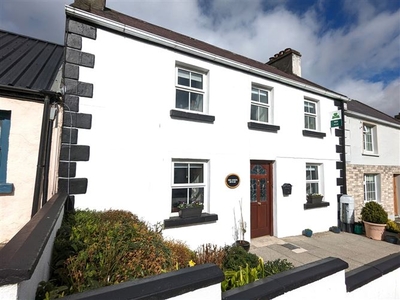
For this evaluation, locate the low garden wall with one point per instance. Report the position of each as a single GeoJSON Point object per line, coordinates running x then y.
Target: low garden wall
{"type": "Point", "coordinates": [25, 259]}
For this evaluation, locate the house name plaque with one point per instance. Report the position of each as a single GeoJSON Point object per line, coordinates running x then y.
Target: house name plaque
{"type": "Point", "coordinates": [232, 181]}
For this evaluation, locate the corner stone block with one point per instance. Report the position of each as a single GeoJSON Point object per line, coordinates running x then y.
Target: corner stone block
{"type": "Point", "coordinates": [67, 169]}
{"type": "Point", "coordinates": [73, 185]}
{"type": "Point", "coordinates": [78, 88]}
{"type": "Point", "coordinates": [69, 135]}
{"type": "Point", "coordinates": [82, 29]}
{"type": "Point", "coordinates": [79, 58]}
{"type": "Point", "coordinates": [71, 71]}
{"type": "Point", "coordinates": [75, 153]}
{"type": "Point", "coordinates": [71, 103]}
{"type": "Point", "coordinates": [78, 120]}
{"type": "Point", "coordinates": [74, 41]}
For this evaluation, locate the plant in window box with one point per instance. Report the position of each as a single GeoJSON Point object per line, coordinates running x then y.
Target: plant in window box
{"type": "Point", "coordinates": [239, 230]}
{"type": "Point", "coordinates": [314, 198]}
{"type": "Point", "coordinates": [392, 232]}
{"type": "Point", "coordinates": [190, 210]}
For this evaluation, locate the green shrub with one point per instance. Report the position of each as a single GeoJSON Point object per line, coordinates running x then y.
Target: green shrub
{"type": "Point", "coordinates": [95, 249]}
{"type": "Point", "coordinates": [236, 258]}
{"type": "Point", "coordinates": [373, 212]}
{"type": "Point", "coordinates": [392, 226]}
{"type": "Point", "coordinates": [243, 276]}
{"type": "Point", "coordinates": [277, 266]}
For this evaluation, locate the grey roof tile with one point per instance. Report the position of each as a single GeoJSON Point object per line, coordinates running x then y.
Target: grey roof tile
{"type": "Point", "coordinates": [28, 62]}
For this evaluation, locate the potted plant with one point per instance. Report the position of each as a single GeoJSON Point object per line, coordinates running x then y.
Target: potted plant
{"type": "Point", "coordinates": [190, 210]}
{"type": "Point", "coordinates": [314, 198]}
{"type": "Point", "coordinates": [358, 228]}
{"type": "Point", "coordinates": [240, 230]}
{"type": "Point", "coordinates": [392, 232]}
{"type": "Point", "coordinates": [375, 218]}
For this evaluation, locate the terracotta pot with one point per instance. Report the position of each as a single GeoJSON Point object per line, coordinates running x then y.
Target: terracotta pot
{"type": "Point", "coordinates": [374, 231]}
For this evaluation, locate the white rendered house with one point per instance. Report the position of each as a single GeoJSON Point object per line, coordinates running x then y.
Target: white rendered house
{"type": "Point", "coordinates": [372, 158]}
{"type": "Point", "coordinates": [167, 119]}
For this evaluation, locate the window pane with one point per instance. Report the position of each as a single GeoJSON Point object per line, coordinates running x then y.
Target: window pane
{"type": "Point", "coordinates": [368, 145]}
{"type": "Point", "coordinates": [263, 96]}
{"type": "Point", "coordinates": [263, 114]}
{"type": "Point", "coordinates": [310, 122]}
{"type": "Point", "coordinates": [197, 81]}
{"type": "Point", "coordinates": [180, 173]}
{"type": "Point", "coordinates": [196, 194]}
{"type": "Point", "coordinates": [196, 102]}
{"type": "Point", "coordinates": [370, 190]}
{"type": "Point", "coordinates": [254, 94]}
{"type": "Point", "coordinates": [179, 196]}
{"type": "Point", "coordinates": [196, 173]}
{"type": "Point", "coordinates": [311, 172]}
{"type": "Point", "coordinates": [254, 113]}
{"type": "Point", "coordinates": [182, 99]}
{"type": "Point", "coordinates": [183, 77]}
{"type": "Point", "coordinates": [312, 188]}
{"type": "Point", "coordinates": [309, 107]}
{"type": "Point", "coordinates": [253, 190]}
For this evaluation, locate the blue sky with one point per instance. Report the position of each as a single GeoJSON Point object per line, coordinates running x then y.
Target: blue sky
{"type": "Point", "coordinates": [349, 46]}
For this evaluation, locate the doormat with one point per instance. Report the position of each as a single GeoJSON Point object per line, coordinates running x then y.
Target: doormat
{"type": "Point", "coordinates": [294, 248]}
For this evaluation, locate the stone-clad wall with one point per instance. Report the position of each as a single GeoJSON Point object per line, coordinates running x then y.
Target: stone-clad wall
{"type": "Point", "coordinates": [355, 186]}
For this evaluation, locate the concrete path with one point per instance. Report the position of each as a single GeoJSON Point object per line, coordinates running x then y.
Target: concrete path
{"type": "Point", "coordinates": [354, 249]}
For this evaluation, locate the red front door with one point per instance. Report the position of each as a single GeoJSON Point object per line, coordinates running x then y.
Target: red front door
{"type": "Point", "coordinates": [261, 198]}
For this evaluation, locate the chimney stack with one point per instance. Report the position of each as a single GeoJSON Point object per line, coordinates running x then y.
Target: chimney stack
{"type": "Point", "coordinates": [90, 4]}
{"type": "Point", "coordinates": [288, 61]}
{"type": "Point", "coordinates": [397, 116]}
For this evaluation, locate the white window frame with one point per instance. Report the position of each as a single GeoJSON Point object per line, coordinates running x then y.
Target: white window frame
{"type": "Point", "coordinates": [369, 130]}
{"type": "Point", "coordinates": [318, 180]}
{"type": "Point", "coordinates": [204, 184]}
{"type": "Point", "coordinates": [372, 189]}
{"type": "Point", "coordinates": [308, 114]}
{"type": "Point", "coordinates": [260, 104]}
{"type": "Point", "coordinates": [192, 90]}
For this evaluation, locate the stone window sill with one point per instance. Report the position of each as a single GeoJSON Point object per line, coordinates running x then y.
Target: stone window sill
{"type": "Point", "coordinates": [314, 134]}
{"type": "Point", "coordinates": [6, 188]}
{"type": "Point", "coordinates": [188, 116]}
{"type": "Point", "coordinates": [315, 205]}
{"type": "Point", "coordinates": [263, 127]}
{"type": "Point", "coordinates": [370, 154]}
{"type": "Point", "coordinates": [174, 222]}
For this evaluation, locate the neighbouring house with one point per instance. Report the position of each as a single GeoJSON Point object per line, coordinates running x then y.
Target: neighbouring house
{"type": "Point", "coordinates": [165, 119]}
{"type": "Point", "coordinates": [30, 78]}
{"type": "Point", "coordinates": [372, 158]}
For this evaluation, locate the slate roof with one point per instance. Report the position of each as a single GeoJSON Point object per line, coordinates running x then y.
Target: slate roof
{"type": "Point", "coordinates": [189, 41]}
{"type": "Point", "coordinates": [27, 62]}
{"type": "Point", "coordinates": [361, 108]}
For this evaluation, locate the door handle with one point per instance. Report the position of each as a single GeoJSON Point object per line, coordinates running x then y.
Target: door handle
{"type": "Point", "coordinates": [259, 203]}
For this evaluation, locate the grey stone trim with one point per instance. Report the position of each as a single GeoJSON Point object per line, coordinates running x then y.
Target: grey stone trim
{"type": "Point", "coordinates": [188, 116]}
{"type": "Point", "coordinates": [63, 169]}
{"type": "Point", "coordinates": [79, 58]}
{"type": "Point", "coordinates": [73, 185]}
{"type": "Point", "coordinates": [71, 71]}
{"type": "Point", "coordinates": [81, 29]}
{"type": "Point", "coordinates": [78, 88]}
{"type": "Point", "coordinates": [314, 134]}
{"type": "Point", "coordinates": [71, 103]}
{"type": "Point", "coordinates": [263, 127]}
{"type": "Point", "coordinates": [74, 41]}
{"type": "Point", "coordinates": [69, 135]}
{"type": "Point", "coordinates": [74, 152]}
{"type": "Point", "coordinates": [79, 120]}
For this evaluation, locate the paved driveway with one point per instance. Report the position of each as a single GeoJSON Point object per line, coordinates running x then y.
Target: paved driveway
{"type": "Point", "coordinates": [354, 249]}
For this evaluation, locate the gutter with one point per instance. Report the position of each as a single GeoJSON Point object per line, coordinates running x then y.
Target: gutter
{"type": "Point", "coordinates": [107, 23]}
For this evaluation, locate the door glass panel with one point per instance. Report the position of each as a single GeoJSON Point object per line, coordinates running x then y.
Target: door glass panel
{"type": "Point", "coordinates": [253, 190]}
{"type": "Point", "coordinates": [263, 189]}
{"type": "Point", "coordinates": [257, 170]}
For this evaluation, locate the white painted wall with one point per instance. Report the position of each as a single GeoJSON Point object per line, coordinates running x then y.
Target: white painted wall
{"type": "Point", "coordinates": [388, 140]}
{"type": "Point", "coordinates": [133, 140]}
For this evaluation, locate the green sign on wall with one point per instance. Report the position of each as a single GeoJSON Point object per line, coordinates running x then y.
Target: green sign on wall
{"type": "Point", "coordinates": [336, 119]}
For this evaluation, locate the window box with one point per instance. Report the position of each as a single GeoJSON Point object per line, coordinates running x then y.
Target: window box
{"type": "Point", "coordinates": [314, 198]}
{"type": "Point", "coordinates": [190, 212]}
